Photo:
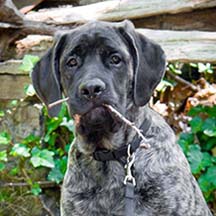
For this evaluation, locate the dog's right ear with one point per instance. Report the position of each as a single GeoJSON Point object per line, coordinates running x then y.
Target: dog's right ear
{"type": "Point", "coordinates": [46, 77]}
{"type": "Point", "coordinates": [149, 62]}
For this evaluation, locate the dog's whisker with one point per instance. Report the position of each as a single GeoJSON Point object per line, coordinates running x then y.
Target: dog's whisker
{"type": "Point", "coordinates": [144, 143]}
{"type": "Point", "coordinates": [58, 102]}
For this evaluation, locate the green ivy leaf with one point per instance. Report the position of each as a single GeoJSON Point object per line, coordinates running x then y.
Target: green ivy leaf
{"type": "Point", "coordinates": [211, 175]}
{"type": "Point", "coordinates": [161, 87]}
{"type": "Point", "coordinates": [42, 158]}
{"type": "Point", "coordinates": [20, 150]}
{"type": "Point", "coordinates": [35, 189]}
{"type": "Point", "coordinates": [174, 69]}
{"type": "Point", "coordinates": [205, 68]}
{"type": "Point", "coordinates": [211, 111]}
{"type": "Point", "coordinates": [31, 139]}
{"type": "Point", "coordinates": [63, 112]}
{"type": "Point", "coordinates": [14, 171]}
{"type": "Point", "coordinates": [2, 166]}
{"type": "Point", "coordinates": [209, 127]}
{"type": "Point", "coordinates": [3, 155]}
{"type": "Point", "coordinates": [194, 111]}
{"type": "Point", "coordinates": [52, 125]}
{"type": "Point", "coordinates": [207, 160]}
{"type": "Point", "coordinates": [2, 114]}
{"type": "Point", "coordinates": [210, 144]}
{"type": "Point", "coordinates": [29, 90]}
{"type": "Point", "coordinates": [206, 187]}
{"type": "Point", "coordinates": [67, 148]}
{"type": "Point", "coordinates": [28, 63]}
{"type": "Point", "coordinates": [195, 157]}
{"type": "Point", "coordinates": [5, 138]}
{"type": "Point", "coordinates": [185, 140]}
{"type": "Point", "coordinates": [51, 139]}
{"type": "Point", "coordinates": [207, 182]}
{"type": "Point", "coordinates": [196, 124]}
{"type": "Point", "coordinates": [55, 175]}
{"type": "Point", "coordinates": [69, 124]}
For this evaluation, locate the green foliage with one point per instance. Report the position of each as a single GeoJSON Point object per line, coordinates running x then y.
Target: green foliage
{"type": "Point", "coordinates": [2, 166]}
{"type": "Point", "coordinates": [3, 155]}
{"type": "Point", "coordinates": [163, 85]}
{"type": "Point", "coordinates": [199, 147]}
{"type": "Point", "coordinates": [28, 63]}
{"type": "Point", "coordinates": [203, 68]}
{"type": "Point", "coordinates": [57, 173]}
{"type": "Point", "coordinates": [35, 189]}
{"type": "Point", "coordinates": [42, 157]}
{"type": "Point", "coordinates": [2, 113]}
{"type": "Point", "coordinates": [20, 150]}
{"type": "Point", "coordinates": [29, 90]}
{"type": "Point", "coordinates": [49, 151]}
{"type": "Point", "coordinates": [4, 138]}
{"type": "Point", "coordinates": [175, 68]}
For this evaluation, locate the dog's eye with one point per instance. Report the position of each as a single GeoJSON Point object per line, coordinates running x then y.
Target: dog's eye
{"type": "Point", "coordinates": [115, 59]}
{"type": "Point", "coordinates": [72, 62]}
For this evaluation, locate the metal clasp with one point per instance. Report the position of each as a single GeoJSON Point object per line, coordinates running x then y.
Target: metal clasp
{"type": "Point", "coordinates": [130, 161]}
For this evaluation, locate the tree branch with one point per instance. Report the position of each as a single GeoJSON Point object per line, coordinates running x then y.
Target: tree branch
{"type": "Point", "coordinates": [182, 81]}
{"type": "Point", "coordinates": [43, 184]}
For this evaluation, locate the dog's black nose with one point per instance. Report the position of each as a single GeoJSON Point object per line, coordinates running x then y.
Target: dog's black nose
{"type": "Point", "coordinates": [92, 88]}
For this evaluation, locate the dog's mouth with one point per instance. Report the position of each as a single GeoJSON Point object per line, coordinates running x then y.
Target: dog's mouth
{"type": "Point", "coordinates": [96, 115]}
{"type": "Point", "coordinates": [98, 121]}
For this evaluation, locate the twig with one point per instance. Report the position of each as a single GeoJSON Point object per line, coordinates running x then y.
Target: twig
{"type": "Point", "coordinates": [45, 207]}
{"type": "Point", "coordinates": [43, 184]}
{"type": "Point", "coordinates": [58, 102]}
{"type": "Point", "coordinates": [131, 124]}
{"type": "Point", "coordinates": [182, 81]}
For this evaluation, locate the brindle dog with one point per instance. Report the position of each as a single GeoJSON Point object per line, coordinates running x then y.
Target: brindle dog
{"type": "Point", "coordinates": [110, 63]}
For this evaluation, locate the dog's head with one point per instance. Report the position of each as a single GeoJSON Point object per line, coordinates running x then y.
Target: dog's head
{"type": "Point", "coordinates": [95, 64]}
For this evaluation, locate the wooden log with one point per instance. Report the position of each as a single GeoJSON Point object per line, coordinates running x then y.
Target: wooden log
{"type": "Point", "coordinates": [9, 12]}
{"type": "Point", "coordinates": [192, 46]}
{"type": "Point", "coordinates": [202, 20]}
{"type": "Point", "coordinates": [117, 10]}
{"type": "Point", "coordinates": [185, 46]}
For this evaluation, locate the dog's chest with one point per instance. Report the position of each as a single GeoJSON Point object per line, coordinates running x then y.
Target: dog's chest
{"type": "Point", "coordinates": [97, 190]}
{"type": "Point", "coordinates": [96, 202]}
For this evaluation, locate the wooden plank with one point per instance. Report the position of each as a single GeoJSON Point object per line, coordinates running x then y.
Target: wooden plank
{"type": "Point", "coordinates": [117, 10]}
{"type": "Point", "coordinates": [202, 20]}
{"type": "Point", "coordinates": [185, 46]}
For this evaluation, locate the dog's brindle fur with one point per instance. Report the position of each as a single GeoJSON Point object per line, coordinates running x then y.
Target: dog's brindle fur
{"type": "Point", "coordinates": [111, 63]}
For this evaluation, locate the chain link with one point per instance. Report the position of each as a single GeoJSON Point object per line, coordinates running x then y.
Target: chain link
{"type": "Point", "coordinates": [130, 162]}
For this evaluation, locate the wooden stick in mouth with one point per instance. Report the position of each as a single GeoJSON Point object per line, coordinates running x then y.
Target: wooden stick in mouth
{"type": "Point", "coordinates": [58, 102]}
{"type": "Point", "coordinates": [144, 143]}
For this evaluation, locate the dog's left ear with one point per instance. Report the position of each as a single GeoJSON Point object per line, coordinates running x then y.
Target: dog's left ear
{"type": "Point", "coordinates": [148, 62]}
{"type": "Point", "coordinates": [45, 77]}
